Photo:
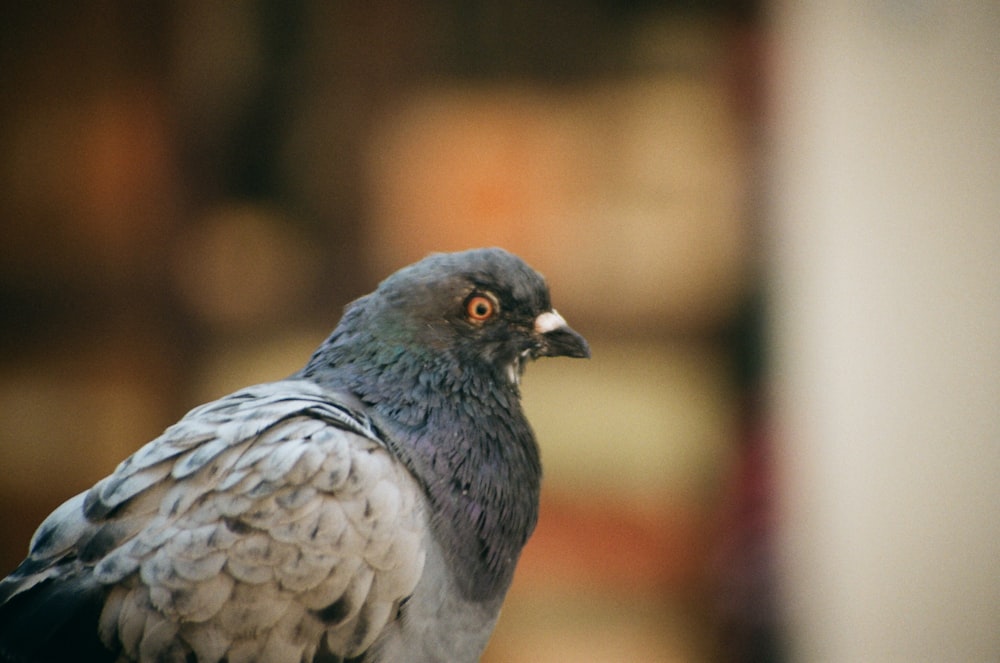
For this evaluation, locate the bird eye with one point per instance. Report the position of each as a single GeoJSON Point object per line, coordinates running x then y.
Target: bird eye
{"type": "Point", "coordinates": [480, 308]}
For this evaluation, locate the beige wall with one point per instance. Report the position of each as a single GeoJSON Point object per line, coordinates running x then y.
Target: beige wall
{"type": "Point", "coordinates": [886, 273]}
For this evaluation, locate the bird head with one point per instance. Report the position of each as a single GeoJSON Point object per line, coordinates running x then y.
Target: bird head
{"type": "Point", "coordinates": [483, 311]}
{"type": "Point", "coordinates": [485, 307]}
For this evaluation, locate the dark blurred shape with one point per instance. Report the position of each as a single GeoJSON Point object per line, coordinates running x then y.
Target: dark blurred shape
{"type": "Point", "coordinates": [743, 567]}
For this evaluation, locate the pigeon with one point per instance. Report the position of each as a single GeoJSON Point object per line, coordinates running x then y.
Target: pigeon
{"type": "Point", "coordinates": [370, 507]}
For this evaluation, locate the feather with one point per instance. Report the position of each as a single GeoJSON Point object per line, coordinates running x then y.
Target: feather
{"type": "Point", "coordinates": [209, 643]}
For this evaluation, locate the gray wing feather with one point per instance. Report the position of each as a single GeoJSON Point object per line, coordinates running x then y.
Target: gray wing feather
{"type": "Point", "coordinates": [61, 530]}
{"type": "Point", "coordinates": [262, 522]}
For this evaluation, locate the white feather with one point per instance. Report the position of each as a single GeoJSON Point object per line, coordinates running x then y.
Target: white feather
{"type": "Point", "coordinates": [209, 643]}
{"type": "Point", "coordinates": [135, 607]}
{"type": "Point", "coordinates": [202, 568]}
{"type": "Point", "coordinates": [203, 600]}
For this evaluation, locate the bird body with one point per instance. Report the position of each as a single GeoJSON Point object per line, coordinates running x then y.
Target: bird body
{"type": "Point", "coordinates": [371, 507]}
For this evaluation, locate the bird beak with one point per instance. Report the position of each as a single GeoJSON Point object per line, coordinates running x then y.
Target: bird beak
{"type": "Point", "coordinates": [557, 339]}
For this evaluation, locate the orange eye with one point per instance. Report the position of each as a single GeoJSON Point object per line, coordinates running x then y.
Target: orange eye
{"type": "Point", "coordinates": [480, 308]}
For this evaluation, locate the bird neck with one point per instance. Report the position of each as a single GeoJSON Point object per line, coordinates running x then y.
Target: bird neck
{"type": "Point", "coordinates": [464, 437]}
{"type": "Point", "coordinates": [477, 459]}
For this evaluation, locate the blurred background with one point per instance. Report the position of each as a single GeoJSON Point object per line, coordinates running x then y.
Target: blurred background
{"type": "Point", "coordinates": [778, 224]}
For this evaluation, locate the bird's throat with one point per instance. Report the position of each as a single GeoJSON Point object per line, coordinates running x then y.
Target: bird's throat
{"type": "Point", "coordinates": [482, 479]}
